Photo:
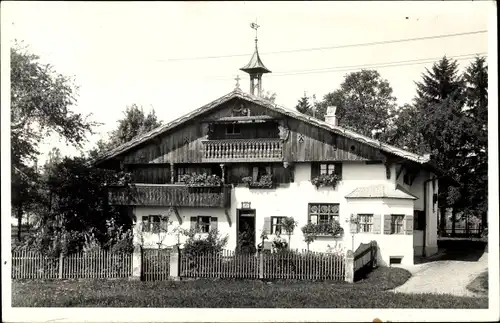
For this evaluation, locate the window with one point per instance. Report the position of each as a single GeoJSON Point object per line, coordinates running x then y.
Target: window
{"type": "Point", "coordinates": [365, 223]}
{"type": "Point", "coordinates": [407, 179]}
{"type": "Point", "coordinates": [397, 223]}
{"type": "Point", "coordinates": [326, 169]}
{"type": "Point", "coordinates": [323, 213]}
{"type": "Point", "coordinates": [203, 224]}
{"type": "Point", "coordinates": [233, 129]}
{"type": "Point", "coordinates": [154, 223]}
{"type": "Point", "coordinates": [419, 220]}
{"type": "Point", "coordinates": [259, 171]}
{"type": "Point", "coordinates": [276, 224]}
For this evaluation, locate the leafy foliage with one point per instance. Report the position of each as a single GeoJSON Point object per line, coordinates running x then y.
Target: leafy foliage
{"type": "Point", "coordinates": [312, 230]}
{"type": "Point", "coordinates": [288, 225]}
{"type": "Point", "coordinates": [265, 181]}
{"type": "Point", "coordinates": [324, 180]}
{"type": "Point", "coordinates": [40, 105]}
{"type": "Point", "coordinates": [201, 180]}
{"type": "Point", "coordinates": [197, 244]}
{"type": "Point", "coordinates": [364, 101]}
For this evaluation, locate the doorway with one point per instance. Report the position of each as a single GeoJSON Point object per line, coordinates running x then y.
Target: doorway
{"type": "Point", "coordinates": [245, 223]}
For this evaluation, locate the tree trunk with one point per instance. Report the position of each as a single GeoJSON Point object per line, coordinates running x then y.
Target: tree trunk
{"type": "Point", "coordinates": [19, 221]}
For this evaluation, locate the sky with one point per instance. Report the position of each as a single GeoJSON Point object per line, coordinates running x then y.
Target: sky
{"type": "Point", "coordinates": [155, 53]}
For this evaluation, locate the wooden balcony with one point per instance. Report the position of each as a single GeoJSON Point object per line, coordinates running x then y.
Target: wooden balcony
{"type": "Point", "coordinates": [170, 195]}
{"type": "Point", "coordinates": [243, 150]}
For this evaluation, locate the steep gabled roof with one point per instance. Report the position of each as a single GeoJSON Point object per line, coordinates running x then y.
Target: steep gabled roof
{"type": "Point", "coordinates": [237, 93]}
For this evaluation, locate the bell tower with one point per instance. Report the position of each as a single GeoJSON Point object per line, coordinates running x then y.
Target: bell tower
{"type": "Point", "coordinates": [255, 68]}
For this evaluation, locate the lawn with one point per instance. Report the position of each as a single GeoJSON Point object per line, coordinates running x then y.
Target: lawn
{"type": "Point", "coordinates": [371, 292]}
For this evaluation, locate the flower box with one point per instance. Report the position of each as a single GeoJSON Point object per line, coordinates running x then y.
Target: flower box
{"type": "Point", "coordinates": [325, 180]}
{"type": "Point", "coordinates": [265, 182]}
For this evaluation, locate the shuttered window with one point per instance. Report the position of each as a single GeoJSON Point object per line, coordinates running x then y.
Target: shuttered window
{"type": "Point", "coordinates": [397, 223]}
{"type": "Point", "coordinates": [154, 223]}
{"type": "Point", "coordinates": [203, 224]}
{"type": "Point", "coordinates": [276, 222]}
{"type": "Point", "coordinates": [365, 223]}
{"type": "Point", "coordinates": [325, 168]}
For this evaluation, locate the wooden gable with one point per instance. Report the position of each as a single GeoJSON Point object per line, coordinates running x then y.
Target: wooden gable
{"type": "Point", "coordinates": [306, 142]}
{"type": "Point", "coordinates": [183, 144]}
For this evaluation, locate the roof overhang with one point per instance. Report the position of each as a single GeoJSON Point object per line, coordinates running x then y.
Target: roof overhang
{"type": "Point", "coordinates": [425, 161]}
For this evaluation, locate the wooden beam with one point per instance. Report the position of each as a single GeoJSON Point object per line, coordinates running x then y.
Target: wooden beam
{"type": "Point", "coordinates": [399, 171]}
{"type": "Point", "coordinates": [228, 216]}
{"type": "Point", "coordinates": [174, 210]}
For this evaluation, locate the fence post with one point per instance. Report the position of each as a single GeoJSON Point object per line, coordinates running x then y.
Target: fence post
{"type": "Point", "coordinates": [261, 264]}
{"type": "Point", "coordinates": [174, 263]}
{"type": "Point", "coordinates": [61, 257]}
{"type": "Point", "coordinates": [349, 267]}
{"type": "Point", "coordinates": [136, 263]}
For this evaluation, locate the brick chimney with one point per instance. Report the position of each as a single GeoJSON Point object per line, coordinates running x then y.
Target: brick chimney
{"type": "Point", "coordinates": [330, 116]}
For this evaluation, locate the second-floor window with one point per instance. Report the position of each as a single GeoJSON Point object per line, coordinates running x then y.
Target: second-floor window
{"type": "Point", "coordinates": [327, 169]}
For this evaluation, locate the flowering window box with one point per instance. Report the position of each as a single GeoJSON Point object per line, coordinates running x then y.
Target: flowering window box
{"type": "Point", "coordinates": [326, 180]}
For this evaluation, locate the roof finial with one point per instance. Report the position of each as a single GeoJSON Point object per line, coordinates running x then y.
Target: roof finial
{"type": "Point", "coordinates": [254, 25]}
{"type": "Point", "coordinates": [237, 79]}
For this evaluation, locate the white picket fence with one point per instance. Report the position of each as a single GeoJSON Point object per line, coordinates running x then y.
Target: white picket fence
{"type": "Point", "coordinates": [94, 265]}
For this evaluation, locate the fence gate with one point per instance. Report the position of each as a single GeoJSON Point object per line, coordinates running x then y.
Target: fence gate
{"type": "Point", "coordinates": [155, 264]}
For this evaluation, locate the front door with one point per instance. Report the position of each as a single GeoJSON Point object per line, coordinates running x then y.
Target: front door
{"type": "Point", "coordinates": [246, 231]}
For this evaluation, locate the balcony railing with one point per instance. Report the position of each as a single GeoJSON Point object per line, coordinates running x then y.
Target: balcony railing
{"type": "Point", "coordinates": [170, 195]}
{"type": "Point", "coordinates": [242, 150]}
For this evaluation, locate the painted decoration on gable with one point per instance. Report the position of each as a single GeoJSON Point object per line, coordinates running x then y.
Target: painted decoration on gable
{"type": "Point", "coordinates": [301, 138]}
{"type": "Point", "coordinates": [283, 131]}
{"type": "Point", "coordinates": [239, 110]}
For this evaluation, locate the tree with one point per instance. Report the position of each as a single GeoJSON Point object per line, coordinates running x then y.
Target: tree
{"type": "Point", "coordinates": [288, 224]}
{"type": "Point", "coordinates": [364, 103]}
{"type": "Point", "coordinates": [134, 123]}
{"type": "Point", "coordinates": [40, 105]}
{"type": "Point", "coordinates": [444, 126]}
{"type": "Point", "coordinates": [476, 92]}
{"type": "Point", "coordinates": [303, 106]}
{"type": "Point", "coordinates": [78, 211]}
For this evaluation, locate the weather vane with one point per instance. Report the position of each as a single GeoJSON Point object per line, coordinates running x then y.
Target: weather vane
{"type": "Point", "coordinates": [254, 25]}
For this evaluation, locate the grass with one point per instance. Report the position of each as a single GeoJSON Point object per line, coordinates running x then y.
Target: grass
{"type": "Point", "coordinates": [370, 292]}
{"type": "Point", "coordinates": [479, 284]}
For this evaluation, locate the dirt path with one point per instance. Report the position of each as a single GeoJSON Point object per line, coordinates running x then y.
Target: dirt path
{"type": "Point", "coordinates": [444, 276]}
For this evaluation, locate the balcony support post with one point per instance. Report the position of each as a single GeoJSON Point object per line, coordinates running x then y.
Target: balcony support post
{"type": "Point", "coordinates": [172, 173]}
{"type": "Point", "coordinates": [223, 168]}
